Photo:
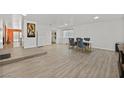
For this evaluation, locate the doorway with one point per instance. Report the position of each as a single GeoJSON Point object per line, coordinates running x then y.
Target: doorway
{"type": "Point", "coordinates": [12, 38]}
{"type": "Point", "coordinates": [53, 38]}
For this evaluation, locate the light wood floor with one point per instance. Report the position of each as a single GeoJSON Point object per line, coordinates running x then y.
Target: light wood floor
{"type": "Point", "coordinates": [62, 62]}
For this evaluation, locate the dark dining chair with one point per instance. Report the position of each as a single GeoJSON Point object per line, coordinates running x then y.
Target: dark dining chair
{"type": "Point", "coordinates": [80, 43]}
{"type": "Point", "coordinates": [77, 39]}
{"type": "Point", "coordinates": [71, 42]}
{"type": "Point", "coordinates": [87, 39]}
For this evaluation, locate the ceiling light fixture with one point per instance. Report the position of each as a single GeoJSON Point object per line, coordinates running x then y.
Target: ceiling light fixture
{"type": "Point", "coordinates": [96, 17]}
{"type": "Point", "coordinates": [24, 14]}
{"type": "Point", "coordinates": [65, 24]}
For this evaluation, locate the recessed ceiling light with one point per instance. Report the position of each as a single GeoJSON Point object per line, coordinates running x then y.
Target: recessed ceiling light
{"type": "Point", "coordinates": [24, 14]}
{"type": "Point", "coordinates": [65, 24]}
{"type": "Point", "coordinates": [96, 17]}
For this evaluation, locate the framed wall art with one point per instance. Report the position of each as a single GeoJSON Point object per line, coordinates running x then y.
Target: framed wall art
{"type": "Point", "coordinates": [30, 30]}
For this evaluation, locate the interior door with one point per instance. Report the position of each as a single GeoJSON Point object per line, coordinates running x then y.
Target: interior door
{"type": "Point", "coordinates": [53, 37]}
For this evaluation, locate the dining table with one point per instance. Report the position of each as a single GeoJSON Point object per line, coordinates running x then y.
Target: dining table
{"type": "Point", "coordinates": [87, 43]}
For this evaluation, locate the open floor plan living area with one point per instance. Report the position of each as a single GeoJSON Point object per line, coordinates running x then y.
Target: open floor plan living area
{"type": "Point", "coordinates": [61, 45]}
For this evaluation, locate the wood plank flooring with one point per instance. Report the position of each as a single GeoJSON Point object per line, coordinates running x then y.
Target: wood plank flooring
{"type": "Point", "coordinates": [62, 62]}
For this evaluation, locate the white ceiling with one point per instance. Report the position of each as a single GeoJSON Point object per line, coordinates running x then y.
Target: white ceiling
{"type": "Point", "coordinates": [71, 19]}
{"type": "Point", "coordinates": [7, 18]}
{"type": "Point", "coordinates": [12, 20]}
{"type": "Point", "coordinates": [59, 20]}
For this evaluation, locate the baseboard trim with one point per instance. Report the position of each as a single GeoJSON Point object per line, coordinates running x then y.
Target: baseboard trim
{"type": "Point", "coordinates": [104, 48]}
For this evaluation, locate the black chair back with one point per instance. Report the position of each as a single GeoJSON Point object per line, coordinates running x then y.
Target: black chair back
{"type": "Point", "coordinates": [80, 43]}
{"type": "Point", "coordinates": [71, 42]}
{"type": "Point", "coordinates": [78, 39]}
{"type": "Point", "coordinates": [87, 39]}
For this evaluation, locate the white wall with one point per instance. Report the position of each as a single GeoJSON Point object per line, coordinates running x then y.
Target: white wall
{"type": "Point", "coordinates": [29, 42]}
{"type": "Point", "coordinates": [1, 39]}
{"type": "Point", "coordinates": [44, 35]}
{"type": "Point", "coordinates": [17, 20]}
{"type": "Point", "coordinates": [103, 34]}
{"type": "Point", "coordinates": [43, 29]}
{"type": "Point", "coordinates": [1, 33]}
{"type": "Point", "coordinates": [59, 37]}
{"type": "Point", "coordinates": [7, 18]}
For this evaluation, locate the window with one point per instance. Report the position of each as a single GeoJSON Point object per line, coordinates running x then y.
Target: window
{"type": "Point", "coordinates": [68, 34]}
